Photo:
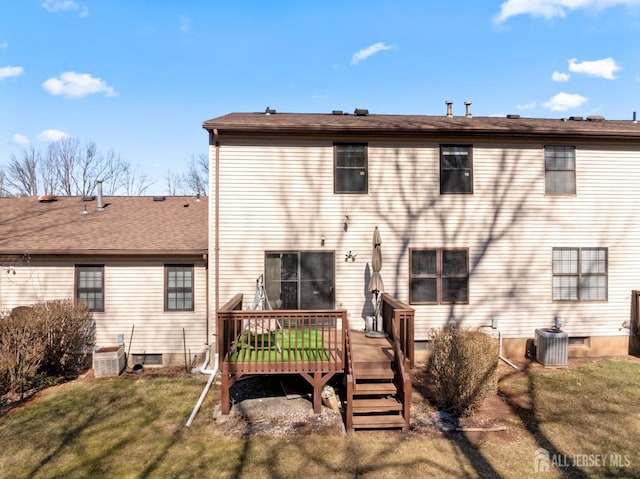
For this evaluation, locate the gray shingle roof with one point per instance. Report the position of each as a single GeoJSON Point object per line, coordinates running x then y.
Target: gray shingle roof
{"type": "Point", "coordinates": [127, 225]}
{"type": "Point", "coordinates": [421, 125]}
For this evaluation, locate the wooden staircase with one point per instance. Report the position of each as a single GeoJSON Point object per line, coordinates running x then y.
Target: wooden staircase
{"type": "Point", "coordinates": [375, 392]}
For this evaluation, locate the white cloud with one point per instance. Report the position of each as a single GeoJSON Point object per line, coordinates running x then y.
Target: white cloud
{"type": "Point", "coordinates": [185, 23]}
{"type": "Point", "coordinates": [52, 135]}
{"type": "Point", "coordinates": [560, 77]}
{"type": "Point", "coordinates": [605, 68]}
{"type": "Point", "coordinates": [553, 8]}
{"type": "Point", "coordinates": [77, 85]}
{"type": "Point", "coordinates": [54, 6]}
{"type": "Point", "coordinates": [526, 106]}
{"type": "Point", "coordinates": [19, 139]}
{"type": "Point", "coordinates": [564, 101]}
{"type": "Point", "coordinates": [9, 72]}
{"type": "Point", "coordinates": [367, 52]}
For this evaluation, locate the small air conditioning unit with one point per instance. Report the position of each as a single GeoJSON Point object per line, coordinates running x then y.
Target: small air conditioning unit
{"type": "Point", "coordinates": [108, 361]}
{"type": "Point", "coordinates": [552, 347]}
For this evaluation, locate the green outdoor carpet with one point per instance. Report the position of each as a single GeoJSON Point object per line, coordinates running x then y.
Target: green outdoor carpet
{"type": "Point", "coordinates": [294, 345]}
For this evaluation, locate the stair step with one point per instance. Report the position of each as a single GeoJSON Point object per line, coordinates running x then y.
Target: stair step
{"type": "Point", "coordinates": [374, 374]}
{"type": "Point", "coordinates": [375, 388]}
{"type": "Point", "coordinates": [376, 405]}
{"type": "Point", "coordinates": [386, 421]}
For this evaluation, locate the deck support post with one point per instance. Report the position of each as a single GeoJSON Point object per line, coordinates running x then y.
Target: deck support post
{"type": "Point", "coordinates": [317, 381]}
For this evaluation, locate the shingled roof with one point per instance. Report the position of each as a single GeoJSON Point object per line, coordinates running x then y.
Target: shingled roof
{"type": "Point", "coordinates": [422, 125]}
{"type": "Point", "coordinates": [126, 226]}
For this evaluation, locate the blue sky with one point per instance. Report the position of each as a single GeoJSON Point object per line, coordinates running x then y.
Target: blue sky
{"type": "Point", "coordinates": [140, 76]}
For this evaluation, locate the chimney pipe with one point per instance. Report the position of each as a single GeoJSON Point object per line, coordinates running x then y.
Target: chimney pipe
{"type": "Point", "coordinates": [449, 108]}
{"type": "Point", "coordinates": [100, 206]}
{"type": "Point", "coordinates": [468, 105]}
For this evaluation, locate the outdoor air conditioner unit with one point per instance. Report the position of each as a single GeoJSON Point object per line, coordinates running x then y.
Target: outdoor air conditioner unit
{"type": "Point", "coordinates": [108, 361]}
{"type": "Point", "coordinates": [552, 347]}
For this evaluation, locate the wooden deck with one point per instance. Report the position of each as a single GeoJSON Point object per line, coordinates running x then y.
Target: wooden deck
{"type": "Point", "coordinates": [317, 345]}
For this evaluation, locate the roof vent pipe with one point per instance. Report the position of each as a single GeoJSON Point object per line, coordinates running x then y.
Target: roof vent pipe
{"type": "Point", "coordinates": [100, 205]}
{"type": "Point", "coordinates": [634, 117]}
{"type": "Point", "coordinates": [467, 104]}
{"type": "Point", "coordinates": [449, 104]}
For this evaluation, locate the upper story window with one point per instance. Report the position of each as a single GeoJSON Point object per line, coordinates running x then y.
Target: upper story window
{"type": "Point", "coordinates": [456, 169]}
{"type": "Point", "coordinates": [178, 287]}
{"type": "Point", "coordinates": [580, 274]}
{"type": "Point", "coordinates": [439, 276]}
{"type": "Point", "coordinates": [560, 170]}
{"type": "Point", "coordinates": [90, 286]}
{"type": "Point", "coordinates": [350, 168]}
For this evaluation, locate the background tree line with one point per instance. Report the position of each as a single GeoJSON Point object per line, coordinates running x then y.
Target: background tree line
{"type": "Point", "coordinates": [70, 168]}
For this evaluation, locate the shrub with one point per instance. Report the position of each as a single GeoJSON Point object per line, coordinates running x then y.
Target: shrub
{"type": "Point", "coordinates": [463, 366]}
{"type": "Point", "coordinates": [22, 349]}
{"type": "Point", "coordinates": [69, 335]}
{"type": "Point", "coordinates": [53, 337]}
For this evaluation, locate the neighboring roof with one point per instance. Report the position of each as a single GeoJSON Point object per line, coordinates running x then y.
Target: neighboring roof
{"type": "Point", "coordinates": [422, 125]}
{"type": "Point", "coordinates": [128, 225]}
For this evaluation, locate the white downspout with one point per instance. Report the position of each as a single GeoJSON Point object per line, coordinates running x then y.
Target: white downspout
{"type": "Point", "coordinates": [500, 353]}
{"type": "Point", "coordinates": [494, 325]}
{"type": "Point", "coordinates": [212, 374]}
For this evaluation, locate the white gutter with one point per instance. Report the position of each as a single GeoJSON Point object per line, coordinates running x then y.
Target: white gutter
{"type": "Point", "coordinates": [212, 374]}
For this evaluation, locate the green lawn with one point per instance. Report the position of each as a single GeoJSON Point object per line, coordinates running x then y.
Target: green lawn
{"type": "Point", "coordinates": [135, 429]}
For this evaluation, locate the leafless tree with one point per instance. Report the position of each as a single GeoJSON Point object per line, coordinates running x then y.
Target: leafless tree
{"type": "Point", "coordinates": [70, 168]}
{"type": "Point", "coordinates": [134, 182]}
{"type": "Point", "coordinates": [196, 180]}
{"type": "Point", "coordinates": [3, 191]}
{"type": "Point", "coordinates": [174, 183]}
{"type": "Point", "coordinates": [22, 172]}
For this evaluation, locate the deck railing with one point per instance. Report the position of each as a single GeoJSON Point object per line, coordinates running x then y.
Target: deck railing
{"type": "Point", "coordinates": [281, 341]}
{"type": "Point", "coordinates": [398, 324]}
{"type": "Point", "coordinates": [394, 310]}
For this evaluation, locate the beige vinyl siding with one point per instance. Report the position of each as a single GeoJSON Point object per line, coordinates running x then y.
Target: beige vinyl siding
{"type": "Point", "coordinates": [280, 196]}
{"type": "Point", "coordinates": [134, 298]}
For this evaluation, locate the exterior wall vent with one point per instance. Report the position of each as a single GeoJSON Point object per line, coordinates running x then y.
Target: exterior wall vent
{"type": "Point", "coordinates": [595, 118]}
{"type": "Point", "coordinates": [552, 347]}
{"type": "Point", "coordinates": [159, 198]}
{"type": "Point", "coordinates": [513, 117]}
{"type": "Point", "coordinates": [108, 361]}
{"type": "Point", "coordinates": [361, 112]}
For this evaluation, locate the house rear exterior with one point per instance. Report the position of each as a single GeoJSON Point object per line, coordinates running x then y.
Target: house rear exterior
{"type": "Point", "coordinates": [524, 221]}
{"type": "Point", "coordinates": [139, 263]}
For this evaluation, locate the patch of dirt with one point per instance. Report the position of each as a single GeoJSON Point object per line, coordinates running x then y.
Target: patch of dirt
{"type": "Point", "coordinates": [276, 406]}
{"type": "Point", "coordinates": [260, 406]}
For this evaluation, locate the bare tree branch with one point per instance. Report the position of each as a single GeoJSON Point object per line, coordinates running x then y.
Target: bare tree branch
{"type": "Point", "coordinates": [22, 172]}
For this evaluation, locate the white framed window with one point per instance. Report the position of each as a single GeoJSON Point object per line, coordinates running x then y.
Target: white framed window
{"type": "Point", "coordinates": [350, 168]}
{"type": "Point", "coordinates": [580, 274]}
{"type": "Point", "coordinates": [90, 286]}
{"type": "Point", "coordinates": [560, 170]}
